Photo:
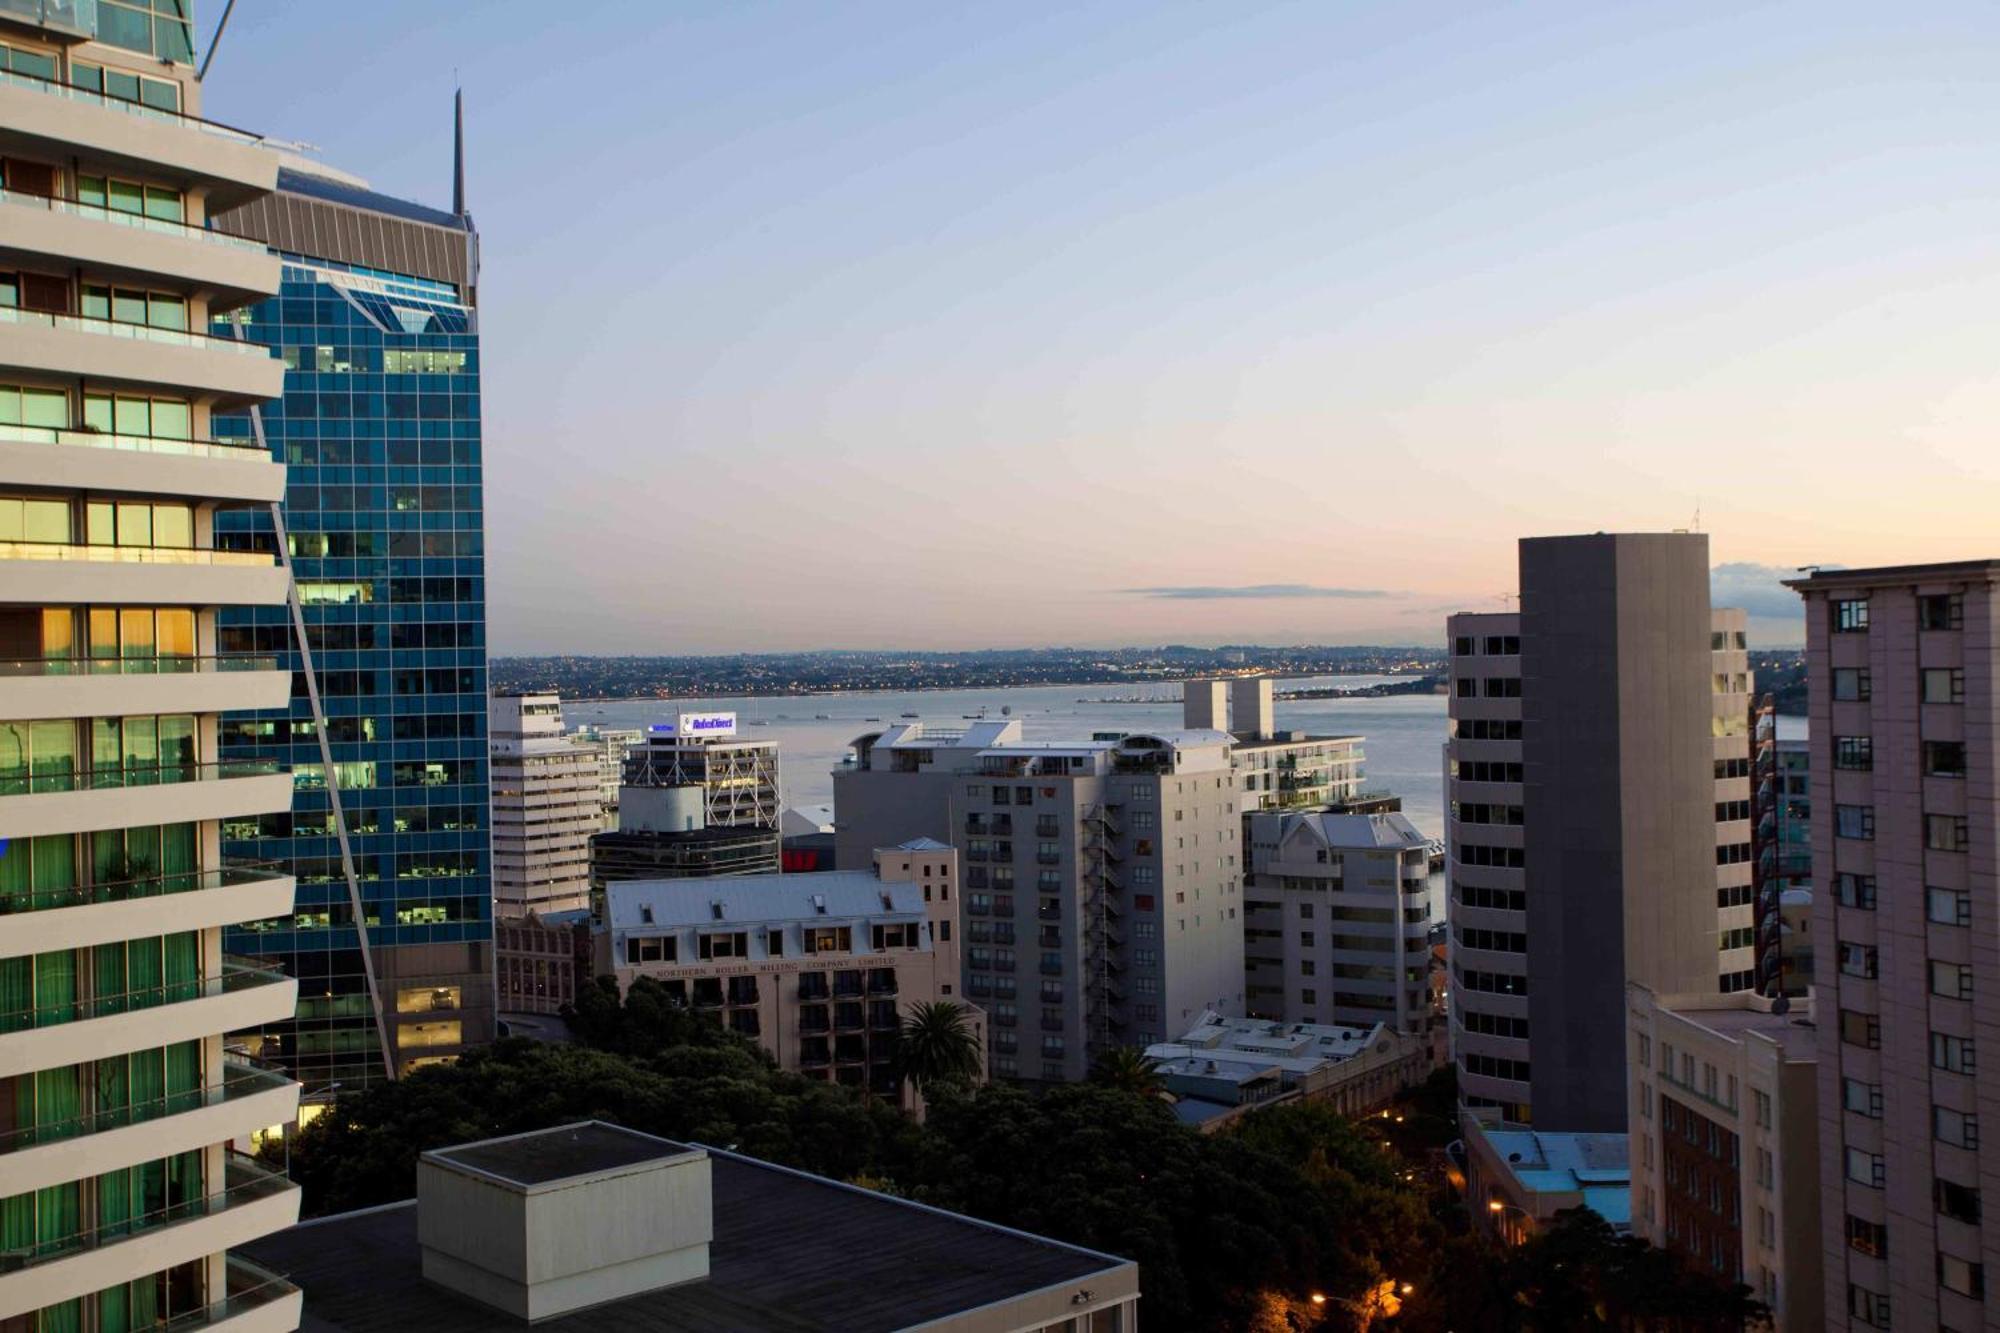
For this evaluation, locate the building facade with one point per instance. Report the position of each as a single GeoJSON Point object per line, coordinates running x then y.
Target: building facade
{"type": "Point", "coordinates": [547, 801]}
{"type": "Point", "coordinates": [1102, 896]}
{"type": "Point", "coordinates": [377, 327]}
{"type": "Point", "coordinates": [121, 1197]}
{"type": "Point", "coordinates": [1901, 665]}
{"type": "Point", "coordinates": [1598, 774]}
{"type": "Point", "coordinates": [820, 970]}
{"type": "Point", "coordinates": [1725, 1143]}
{"type": "Point", "coordinates": [610, 746]}
{"type": "Point", "coordinates": [1337, 920]}
{"type": "Point", "coordinates": [1222, 1067]}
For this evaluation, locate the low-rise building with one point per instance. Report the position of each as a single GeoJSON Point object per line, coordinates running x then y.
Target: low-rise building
{"type": "Point", "coordinates": [1337, 920]}
{"type": "Point", "coordinates": [1224, 1066]}
{"type": "Point", "coordinates": [819, 969]}
{"type": "Point", "coordinates": [1518, 1180]}
{"type": "Point", "coordinates": [607, 1230]}
{"type": "Point", "coordinates": [1725, 1135]}
{"type": "Point", "coordinates": [540, 960]}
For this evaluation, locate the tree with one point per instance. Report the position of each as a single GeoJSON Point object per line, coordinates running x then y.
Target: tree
{"type": "Point", "coordinates": [938, 1046]}
{"type": "Point", "coordinates": [1128, 1069]}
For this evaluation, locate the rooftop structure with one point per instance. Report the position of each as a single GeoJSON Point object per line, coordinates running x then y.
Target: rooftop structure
{"type": "Point", "coordinates": [1520, 1179]}
{"type": "Point", "coordinates": [1223, 1065]}
{"type": "Point", "coordinates": [701, 1240]}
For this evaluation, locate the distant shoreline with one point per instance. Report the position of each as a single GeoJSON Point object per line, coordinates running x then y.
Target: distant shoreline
{"type": "Point", "coordinates": [945, 689]}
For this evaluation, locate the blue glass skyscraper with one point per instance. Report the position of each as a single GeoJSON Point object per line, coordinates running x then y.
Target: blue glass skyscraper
{"type": "Point", "coordinates": [377, 324]}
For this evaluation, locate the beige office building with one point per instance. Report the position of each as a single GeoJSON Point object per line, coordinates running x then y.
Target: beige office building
{"type": "Point", "coordinates": [546, 803]}
{"type": "Point", "coordinates": [121, 1198]}
{"type": "Point", "coordinates": [1598, 774]}
{"type": "Point", "coordinates": [1906, 939]}
{"type": "Point", "coordinates": [820, 969]}
{"type": "Point", "coordinates": [1725, 1142]}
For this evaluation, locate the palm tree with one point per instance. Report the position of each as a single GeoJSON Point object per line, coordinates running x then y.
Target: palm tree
{"type": "Point", "coordinates": [1129, 1069]}
{"type": "Point", "coordinates": [937, 1045]}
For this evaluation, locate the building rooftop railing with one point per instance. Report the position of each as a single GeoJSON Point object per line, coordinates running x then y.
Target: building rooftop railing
{"type": "Point", "coordinates": [162, 665]}
{"type": "Point", "coordinates": [90, 553]}
{"type": "Point", "coordinates": [140, 221]}
{"type": "Point", "coordinates": [249, 1288]}
{"type": "Point", "coordinates": [70, 92]}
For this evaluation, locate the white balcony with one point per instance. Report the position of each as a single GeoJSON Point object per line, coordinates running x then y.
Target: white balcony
{"type": "Point", "coordinates": [252, 1201]}
{"type": "Point", "coordinates": [172, 794]}
{"type": "Point", "coordinates": [256, 1302]}
{"type": "Point", "coordinates": [122, 686]}
{"type": "Point", "coordinates": [63, 234]}
{"type": "Point", "coordinates": [53, 120]}
{"type": "Point", "coordinates": [244, 1101]}
{"type": "Point", "coordinates": [139, 464]}
{"type": "Point", "coordinates": [229, 372]}
{"type": "Point", "coordinates": [52, 573]}
{"type": "Point", "coordinates": [97, 1027]}
{"type": "Point", "coordinates": [38, 921]}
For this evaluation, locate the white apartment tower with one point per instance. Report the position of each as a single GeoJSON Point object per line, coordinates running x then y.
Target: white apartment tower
{"type": "Point", "coordinates": [546, 804]}
{"type": "Point", "coordinates": [1598, 774]}
{"type": "Point", "coordinates": [121, 1196]}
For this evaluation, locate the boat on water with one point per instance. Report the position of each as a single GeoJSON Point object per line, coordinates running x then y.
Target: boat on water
{"type": "Point", "coordinates": [909, 715]}
{"type": "Point", "coordinates": [822, 717]}
{"type": "Point", "coordinates": [871, 719]}
{"type": "Point", "coordinates": [759, 722]}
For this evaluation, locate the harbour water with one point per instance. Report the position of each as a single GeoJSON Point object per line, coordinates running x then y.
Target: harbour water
{"type": "Point", "coordinates": [1404, 750]}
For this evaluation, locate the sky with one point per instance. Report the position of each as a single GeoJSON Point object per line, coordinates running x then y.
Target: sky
{"type": "Point", "coordinates": [946, 326]}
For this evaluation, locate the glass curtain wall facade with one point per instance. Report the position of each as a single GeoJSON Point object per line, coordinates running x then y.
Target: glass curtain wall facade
{"type": "Point", "coordinates": [380, 426]}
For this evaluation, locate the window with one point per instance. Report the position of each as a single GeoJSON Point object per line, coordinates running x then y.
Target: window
{"type": "Point", "coordinates": [1854, 821]}
{"type": "Point", "coordinates": [1948, 907]}
{"type": "Point", "coordinates": [127, 305]}
{"type": "Point", "coordinates": [1861, 1098]}
{"type": "Point", "coordinates": [1864, 1168]}
{"type": "Point", "coordinates": [1857, 960]}
{"type": "Point", "coordinates": [1859, 1029]}
{"type": "Point", "coordinates": [1852, 685]}
{"type": "Point", "coordinates": [1958, 1128]}
{"type": "Point", "coordinates": [1952, 1053]}
{"type": "Point", "coordinates": [1867, 1307]}
{"type": "Point", "coordinates": [1951, 980]}
{"type": "Point", "coordinates": [1960, 1202]}
{"type": "Point", "coordinates": [1941, 611]}
{"type": "Point", "coordinates": [1962, 1276]}
{"type": "Point", "coordinates": [1461, 646]}
{"type": "Point", "coordinates": [1943, 685]}
{"type": "Point", "coordinates": [1850, 615]}
{"type": "Point", "coordinates": [1947, 833]}
{"type": "Point", "coordinates": [1855, 891]}
{"type": "Point", "coordinates": [731, 944]}
{"type": "Point", "coordinates": [1944, 759]}
{"type": "Point", "coordinates": [1760, 1102]}
{"type": "Point", "coordinates": [1854, 752]}
{"type": "Point", "coordinates": [1870, 1238]}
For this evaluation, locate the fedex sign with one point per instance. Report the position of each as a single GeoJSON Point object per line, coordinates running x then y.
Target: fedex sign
{"type": "Point", "coordinates": [707, 724]}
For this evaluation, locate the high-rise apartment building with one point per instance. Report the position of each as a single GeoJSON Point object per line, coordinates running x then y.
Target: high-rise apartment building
{"type": "Point", "coordinates": [1598, 774]}
{"type": "Point", "coordinates": [610, 746]}
{"type": "Point", "coordinates": [1724, 1116]}
{"type": "Point", "coordinates": [546, 804]}
{"type": "Point", "coordinates": [1337, 919]}
{"type": "Point", "coordinates": [1901, 664]}
{"type": "Point", "coordinates": [377, 327]}
{"type": "Point", "coordinates": [1101, 899]}
{"type": "Point", "coordinates": [121, 1197]}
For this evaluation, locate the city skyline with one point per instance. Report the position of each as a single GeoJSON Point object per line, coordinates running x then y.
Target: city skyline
{"type": "Point", "coordinates": [1131, 262]}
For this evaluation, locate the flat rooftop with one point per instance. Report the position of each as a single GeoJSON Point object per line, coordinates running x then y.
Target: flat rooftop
{"type": "Point", "coordinates": [559, 1154]}
{"type": "Point", "coordinates": [1794, 1032]}
{"type": "Point", "coordinates": [793, 1253]}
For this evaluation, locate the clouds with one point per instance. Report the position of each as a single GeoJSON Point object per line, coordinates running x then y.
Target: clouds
{"type": "Point", "coordinates": [1757, 589]}
{"type": "Point", "coordinates": [1257, 591]}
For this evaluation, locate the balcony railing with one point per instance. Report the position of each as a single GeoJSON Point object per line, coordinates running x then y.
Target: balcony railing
{"type": "Point", "coordinates": [249, 1288]}
{"type": "Point", "coordinates": [140, 109]}
{"type": "Point", "coordinates": [86, 553]}
{"type": "Point", "coordinates": [144, 444]}
{"type": "Point", "coordinates": [152, 775]}
{"type": "Point", "coordinates": [129, 890]}
{"type": "Point", "coordinates": [236, 976]}
{"type": "Point", "coordinates": [237, 1081]}
{"type": "Point", "coordinates": [245, 1180]}
{"type": "Point", "coordinates": [143, 222]}
{"type": "Point", "coordinates": [118, 328]}
{"type": "Point", "coordinates": [135, 666]}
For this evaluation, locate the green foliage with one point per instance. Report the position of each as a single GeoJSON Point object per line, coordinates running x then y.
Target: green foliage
{"type": "Point", "coordinates": [1128, 1069]}
{"type": "Point", "coordinates": [937, 1046]}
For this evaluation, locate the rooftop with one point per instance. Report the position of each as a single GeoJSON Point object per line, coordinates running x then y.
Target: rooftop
{"type": "Point", "coordinates": [563, 1153]}
{"type": "Point", "coordinates": [1818, 579]}
{"type": "Point", "coordinates": [1793, 1033]}
{"type": "Point", "coordinates": [667, 904]}
{"type": "Point", "coordinates": [792, 1253]}
{"type": "Point", "coordinates": [1549, 1163]}
{"type": "Point", "coordinates": [1388, 832]}
{"type": "Point", "coordinates": [1293, 1047]}
{"type": "Point", "coordinates": [314, 186]}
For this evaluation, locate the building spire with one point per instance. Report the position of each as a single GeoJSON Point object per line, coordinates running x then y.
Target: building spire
{"type": "Point", "coordinates": [458, 152]}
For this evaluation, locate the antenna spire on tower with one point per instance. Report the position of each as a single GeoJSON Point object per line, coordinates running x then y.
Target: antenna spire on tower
{"type": "Point", "coordinates": [458, 152]}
